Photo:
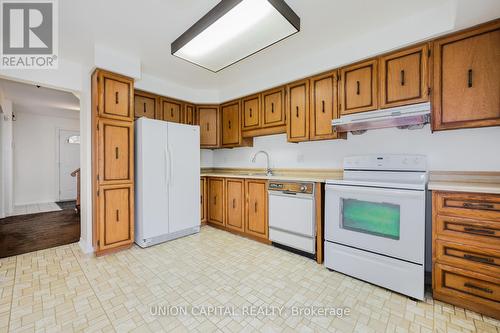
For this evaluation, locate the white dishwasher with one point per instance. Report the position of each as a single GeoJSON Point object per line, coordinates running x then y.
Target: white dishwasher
{"type": "Point", "coordinates": [292, 216]}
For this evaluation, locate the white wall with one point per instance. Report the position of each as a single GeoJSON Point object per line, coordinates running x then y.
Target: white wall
{"type": "Point", "coordinates": [458, 150]}
{"type": "Point", "coordinates": [6, 157]}
{"type": "Point", "coordinates": [35, 152]}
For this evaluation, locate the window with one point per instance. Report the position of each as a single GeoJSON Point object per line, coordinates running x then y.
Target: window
{"type": "Point", "coordinates": [74, 139]}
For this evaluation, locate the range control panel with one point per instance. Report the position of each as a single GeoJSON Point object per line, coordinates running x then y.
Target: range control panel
{"type": "Point", "coordinates": [291, 187]}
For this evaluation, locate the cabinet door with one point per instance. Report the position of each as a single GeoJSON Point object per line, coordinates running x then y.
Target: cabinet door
{"type": "Point", "coordinates": [298, 111]}
{"type": "Point", "coordinates": [230, 124]}
{"type": "Point", "coordinates": [189, 114]}
{"type": "Point", "coordinates": [358, 87]}
{"type": "Point", "coordinates": [273, 107]}
{"type": "Point", "coordinates": [171, 110]}
{"type": "Point", "coordinates": [323, 106]}
{"type": "Point", "coordinates": [216, 200]}
{"type": "Point", "coordinates": [251, 112]}
{"type": "Point", "coordinates": [115, 151]}
{"type": "Point", "coordinates": [209, 124]}
{"type": "Point", "coordinates": [116, 215]}
{"type": "Point", "coordinates": [403, 77]}
{"type": "Point", "coordinates": [203, 204]}
{"type": "Point", "coordinates": [235, 192]}
{"type": "Point", "coordinates": [116, 96]}
{"type": "Point", "coordinates": [466, 79]}
{"type": "Point", "coordinates": [256, 208]}
{"type": "Point", "coordinates": [145, 105]}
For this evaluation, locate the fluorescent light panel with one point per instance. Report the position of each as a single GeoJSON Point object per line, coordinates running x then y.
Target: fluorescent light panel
{"type": "Point", "coordinates": [235, 29]}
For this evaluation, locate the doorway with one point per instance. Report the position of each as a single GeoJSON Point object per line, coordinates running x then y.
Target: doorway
{"type": "Point", "coordinates": [68, 162]}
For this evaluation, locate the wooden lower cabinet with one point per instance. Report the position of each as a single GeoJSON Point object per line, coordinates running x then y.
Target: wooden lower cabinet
{"type": "Point", "coordinates": [239, 205]}
{"type": "Point", "coordinates": [466, 250]}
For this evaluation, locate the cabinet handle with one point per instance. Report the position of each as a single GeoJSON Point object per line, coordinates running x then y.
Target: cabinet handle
{"type": "Point", "coordinates": [208, 127]}
{"type": "Point", "coordinates": [201, 199]}
{"type": "Point", "coordinates": [116, 97]}
{"type": "Point", "coordinates": [297, 111]}
{"type": "Point", "coordinates": [171, 112]}
{"type": "Point", "coordinates": [117, 215]}
{"type": "Point", "coordinates": [272, 107]}
{"type": "Point", "coordinates": [250, 112]}
{"type": "Point", "coordinates": [215, 200]}
{"type": "Point", "coordinates": [255, 206]}
{"type": "Point", "coordinates": [357, 87]}
{"type": "Point", "coordinates": [144, 107]}
{"type": "Point", "coordinates": [402, 77]}
{"type": "Point", "coordinates": [469, 78]}
{"type": "Point", "coordinates": [478, 259]}
{"type": "Point", "coordinates": [234, 203]}
{"type": "Point", "coordinates": [477, 205]}
{"type": "Point", "coordinates": [116, 153]}
{"type": "Point", "coordinates": [479, 231]}
{"type": "Point", "coordinates": [323, 106]}
{"type": "Point", "coordinates": [229, 124]}
{"type": "Point", "coordinates": [484, 289]}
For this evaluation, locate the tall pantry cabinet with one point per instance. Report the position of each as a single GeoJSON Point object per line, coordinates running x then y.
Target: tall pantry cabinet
{"type": "Point", "coordinates": [112, 161]}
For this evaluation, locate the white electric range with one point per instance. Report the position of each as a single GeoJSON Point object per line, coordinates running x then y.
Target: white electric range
{"type": "Point", "coordinates": [375, 221]}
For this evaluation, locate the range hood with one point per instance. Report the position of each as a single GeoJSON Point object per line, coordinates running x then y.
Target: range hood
{"type": "Point", "coordinates": [408, 116]}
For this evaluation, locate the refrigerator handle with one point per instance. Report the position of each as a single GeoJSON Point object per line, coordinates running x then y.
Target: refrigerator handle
{"type": "Point", "coordinates": [167, 168]}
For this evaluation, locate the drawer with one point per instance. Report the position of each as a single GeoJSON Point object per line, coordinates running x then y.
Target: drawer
{"type": "Point", "coordinates": [477, 259]}
{"type": "Point", "coordinates": [481, 206]}
{"type": "Point", "coordinates": [481, 232]}
{"type": "Point", "coordinates": [468, 289]}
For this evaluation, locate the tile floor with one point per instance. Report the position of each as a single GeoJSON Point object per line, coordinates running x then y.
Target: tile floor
{"type": "Point", "coordinates": [63, 290]}
{"type": "Point", "coordinates": [35, 208]}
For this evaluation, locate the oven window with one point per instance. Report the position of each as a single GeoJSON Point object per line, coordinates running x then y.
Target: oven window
{"type": "Point", "coordinates": [375, 218]}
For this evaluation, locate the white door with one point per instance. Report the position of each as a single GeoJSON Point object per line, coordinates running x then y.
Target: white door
{"type": "Point", "coordinates": [184, 176]}
{"type": "Point", "coordinates": [69, 161]}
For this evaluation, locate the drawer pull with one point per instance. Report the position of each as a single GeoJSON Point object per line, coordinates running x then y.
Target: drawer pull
{"type": "Point", "coordinates": [402, 77]}
{"type": "Point", "coordinates": [144, 107]}
{"type": "Point", "coordinates": [479, 231]}
{"type": "Point", "coordinates": [116, 98]}
{"type": "Point", "coordinates": [272, 107]}
{"type": "Point", "coordinates": [484, 289]}
{"type": "Point", "coordinates": [469, 78]}
{"type": "Point", "coordinates": [478, 259]}
{"type": "Point", "coordinates": [357, 87]}
{"type": "Point", "coordinates": [477, 205]}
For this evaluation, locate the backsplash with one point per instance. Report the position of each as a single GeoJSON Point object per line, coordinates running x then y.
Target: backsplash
{"type": "Point", "coordinates": [458, 150]}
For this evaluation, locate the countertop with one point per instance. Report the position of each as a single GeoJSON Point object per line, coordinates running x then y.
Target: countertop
{"type": "Point", "coordinates": [317, 176]}
{"type": "Point", "coordinates": [475, 182]}
{"type": "Point", "coordinates": [464, 187]}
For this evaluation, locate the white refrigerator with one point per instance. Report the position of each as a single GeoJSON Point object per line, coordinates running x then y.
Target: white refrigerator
{"type": "Point", "coordinates": [167, 180]}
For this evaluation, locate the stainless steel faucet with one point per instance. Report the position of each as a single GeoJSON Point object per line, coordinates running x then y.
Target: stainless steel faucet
{"type": "Point", "coordinates": [269, 172]}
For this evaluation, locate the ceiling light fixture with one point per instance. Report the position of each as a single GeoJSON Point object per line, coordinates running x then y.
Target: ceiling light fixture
{"type": "Point", "coordinates": [234, 30]}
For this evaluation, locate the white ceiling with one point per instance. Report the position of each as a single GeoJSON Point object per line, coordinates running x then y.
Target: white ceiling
{"type": "Point", "coordinates": [145, 29]}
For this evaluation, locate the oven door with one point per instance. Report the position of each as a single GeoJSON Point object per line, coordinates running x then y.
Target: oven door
{"type": "Point", "coordinates": [380, 220]}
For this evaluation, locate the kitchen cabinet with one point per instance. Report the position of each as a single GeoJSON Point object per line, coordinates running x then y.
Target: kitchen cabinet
{"type": "Point", "coordinates": [234, 204]}
{"type": "Point", "coordinates": [256, 219]}
{"type": "Point", "coordinates": [251, 112]}
{"type": "Point", "coordinates": [264, 113]}
{"type": "Point", "coordinates": [208, 116]}
{"type": "Point", "coordinates": [145, 105]}
{"type": "Point", "coordinates": [404, 77]}
{"type": "Point", "coordinates": [466, 250]}
{"type": "Point", "coordinates": [466, 79]}
{"type": "Point", "coordinates": [324, 107]}
{"type": "Point", "coordinates": [171, 110]}
{"type": "Point", "coordinates": [231, 133]}
{"type": "Point", "coordinates": [216, 201]}
{"type": "Point", "coordinates": [112, 161]}
{"type": "Point", "coordinates": [358, 87]}
{"type": "Point", "coordinates": [297, 104]}
{"type": "Point", "coordinates": [203, 199]}
{"type": "Point", "coordinates": [189, 114]}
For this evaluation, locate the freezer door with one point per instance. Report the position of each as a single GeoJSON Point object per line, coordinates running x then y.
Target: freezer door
{"type": "Point", "coordinates": [151, 182]}
{"type": "Point", "coordinates": [184, 176]}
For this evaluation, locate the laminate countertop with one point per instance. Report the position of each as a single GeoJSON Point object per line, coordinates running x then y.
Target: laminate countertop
{"type": "Point", "coordinates": [316, 176]}
{"type": "Point", "coordinates": [474, 182]}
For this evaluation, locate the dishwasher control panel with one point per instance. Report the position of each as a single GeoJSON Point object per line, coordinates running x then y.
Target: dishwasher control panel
{"type": "Point", "coordinates": [291, 187]}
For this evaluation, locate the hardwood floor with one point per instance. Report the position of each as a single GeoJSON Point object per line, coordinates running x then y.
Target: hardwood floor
{"type": "Point", "coordinates": [27, 233]}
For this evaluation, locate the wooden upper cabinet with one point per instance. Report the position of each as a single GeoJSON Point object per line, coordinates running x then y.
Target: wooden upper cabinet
{"type": "Point", "coordinates": [189, 116]}
{"type": "Point", "coordinates": [297, 105]}
{"type": "Point", "coordinates": [324, 106]}
{"type": "Point", "coordinates": [404, 77]}
{"type": "Point", "coordinates": [216, 200]}
{"type": "Point", "coordinates": [273, 107]}
{"type": "Point", "coordinates": [235, 194]}
{"type": "Point", "coordinates": [116, 209]}
{"type": "Point", "coordinates": [116, 96]}
{"type": "Point", "coordinates": [171, 110]}
{"type": "Point", "coordinates": [208, 116]}
{"type": "Point", "coordinates": [251, 112]}
{"type": "Point", "coordinates": [145, 104]}
{"type": "Point", "coordinates": [231, 134]}
{"type": "Point", "coordinates": [466, 79]}
{"type": "Point", "coordinates": [358, 87]}
{"type": "Point", "coordinates": [115, 145]}
{"type": "Point", "coordinates": [256, 223]}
